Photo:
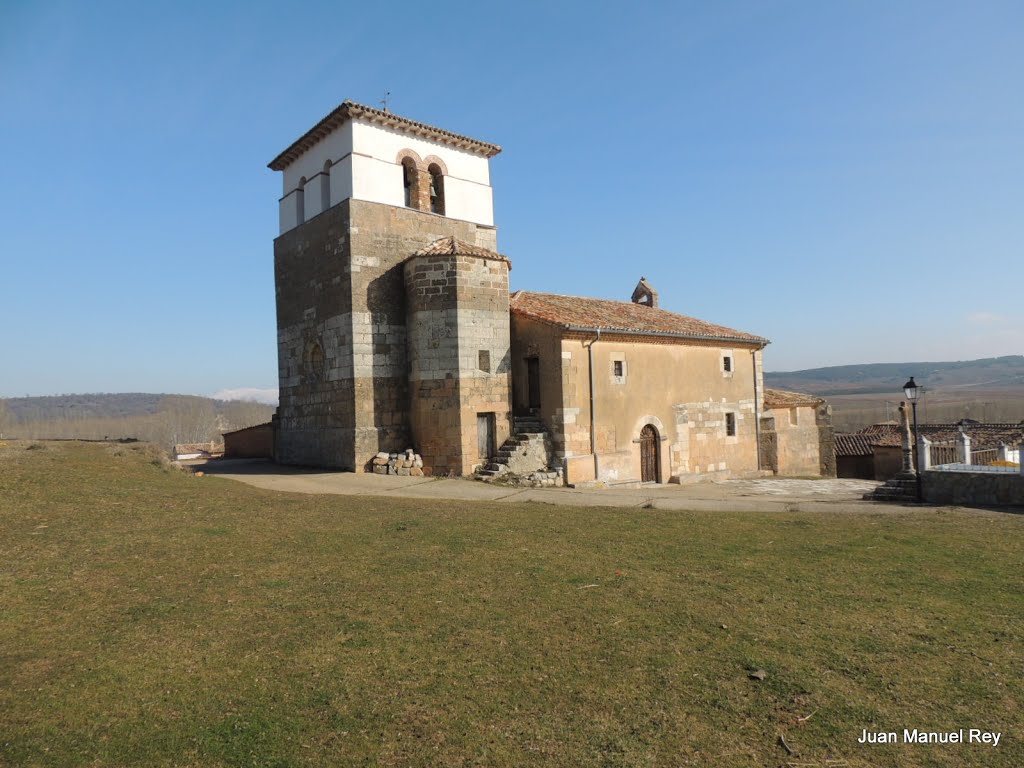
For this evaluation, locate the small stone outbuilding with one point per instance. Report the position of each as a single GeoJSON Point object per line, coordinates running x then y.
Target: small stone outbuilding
{"type": "Point", "coordinates": [256, 442]}
{"type": "Point", "coordinates": [797, 435]}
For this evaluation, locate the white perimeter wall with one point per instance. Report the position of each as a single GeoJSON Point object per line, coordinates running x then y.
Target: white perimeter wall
{"type": "Point", "coordinates": [364, 168]}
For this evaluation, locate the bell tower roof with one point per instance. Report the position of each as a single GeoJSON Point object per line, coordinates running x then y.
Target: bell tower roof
{"type": "Point", "coordinates": [350, 110]}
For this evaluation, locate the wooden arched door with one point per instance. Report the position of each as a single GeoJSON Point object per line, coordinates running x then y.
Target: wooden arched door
{"type": "Point", "coordinates": [650, 445]}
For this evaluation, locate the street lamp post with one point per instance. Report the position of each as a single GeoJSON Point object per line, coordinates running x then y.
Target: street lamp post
{"type": "Point", "coordinates": [911, 391]}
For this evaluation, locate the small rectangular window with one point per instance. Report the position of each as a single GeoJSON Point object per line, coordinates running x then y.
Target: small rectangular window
{"type": "Point", "coordinates": [727, 364]}
{"type": "Point", "coordinates": [730, 424]}
{"type": "Point", "coordinates": [484, 360]}
{"type": "Point", "coordinates": [617, 368]}
{"type": "Point", "coordinates": [794, 419]}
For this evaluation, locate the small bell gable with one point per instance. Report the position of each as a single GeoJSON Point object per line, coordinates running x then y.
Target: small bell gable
{"type": "Point", "coordinates": [645, 294]}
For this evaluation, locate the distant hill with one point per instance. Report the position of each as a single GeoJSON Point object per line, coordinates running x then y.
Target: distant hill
{"type": "Point", "coordinates": [990, 374]}
{"type": "Point", "coordinates": [160, 418]}
{"type": "Point", "coordinates": [96, 405]}
{"type": "Point", "coordinates": [103, 405]}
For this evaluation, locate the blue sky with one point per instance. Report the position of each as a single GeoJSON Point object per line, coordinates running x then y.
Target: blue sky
{"type": "Point", "coordinates": [845, 178]}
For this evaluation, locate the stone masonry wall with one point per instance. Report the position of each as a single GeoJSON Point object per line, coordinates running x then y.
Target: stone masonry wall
{"type": "Point", "coordinates": [459, 356]}
{"type": "Point", "coordinates": [484, 338]}
{"type": "Point", "coordinates": [799, 443]}
{"type": "Point", "coordinates": [804, 448]}
{"type": "Point", "coordinates": [340, 289]}
{"type": "Point", "coordinates": [973, 488]}
{"type": "Point", "coordinates": [769, 444]}
{"type": "Point", "coordinates": [433, 361]}
{"type": "Point", "coordinates": [701, 444]}
{"type": "Point", "coordinates": [316, 408]}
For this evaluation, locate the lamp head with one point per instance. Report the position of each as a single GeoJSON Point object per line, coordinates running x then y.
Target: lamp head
{"type": "Point", "coordinates": [910, 388]}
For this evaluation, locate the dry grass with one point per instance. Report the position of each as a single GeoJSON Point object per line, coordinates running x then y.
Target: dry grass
{"type": "Point", "coordinates": [153, 618]}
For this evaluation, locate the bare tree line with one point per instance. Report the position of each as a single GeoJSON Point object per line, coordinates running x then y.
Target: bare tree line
{"type": "Point", "coordinates": [178, 419]}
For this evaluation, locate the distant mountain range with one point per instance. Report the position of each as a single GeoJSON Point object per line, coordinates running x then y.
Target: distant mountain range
{"type": "Point", "coordinates": [103, 406]}
{"type": "Point", "coordinates": [988, 374]}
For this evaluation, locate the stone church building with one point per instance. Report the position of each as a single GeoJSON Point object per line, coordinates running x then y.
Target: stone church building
{"type": "Point", "coordinates": [396, 330]}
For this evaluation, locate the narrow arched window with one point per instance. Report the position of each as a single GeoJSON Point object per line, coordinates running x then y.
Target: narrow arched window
{"type": "Point", "coordinates": [408, 181]}
{"type": "Point", "coordinates": [300, 201]}
{"type": "Point", "coordinates": [315, 362]}
{"type": "Point", "coordinates": [436, 190]}
{"type": "Point", "coordinates": [325, 187]}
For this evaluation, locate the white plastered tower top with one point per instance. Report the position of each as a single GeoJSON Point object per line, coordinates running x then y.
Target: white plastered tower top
{"type": "Point", "coordinates": [356, 152]}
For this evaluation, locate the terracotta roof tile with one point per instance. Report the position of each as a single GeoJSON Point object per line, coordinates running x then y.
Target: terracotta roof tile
{"type": "Point", "coordinates": [452, 246]}
{"type": "Point", "coordinates": [577, 313]}
{"type": "Point", "coordinates": [781, 398]}
{"type": "Point", "coordinates": [983, 436]}
{"type": "Point", "coordinates": [852, 445]}
{"type": "Point", "coordinates": [348, 110]}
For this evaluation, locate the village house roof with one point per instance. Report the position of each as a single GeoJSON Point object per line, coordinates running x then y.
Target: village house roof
{"type": "Point", "coordinates": [983, 436]}
{"type": "Point", "coordinates": [349, 110]}
{"type": "Point", "coordinates": [452, 246]}
{"type": "Point", "coordinates": [852, 445]}
{"type": "Point", "coordinates": [574, 313]}
{"type": "Point", "coordinates": [781, 398]}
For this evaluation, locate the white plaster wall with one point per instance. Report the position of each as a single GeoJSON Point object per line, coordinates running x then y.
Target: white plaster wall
{"type": "Point", "coordinates": [287, 212]}
{"type": "Point", "coordinates": [309, 164]}
{"type": "Point", "coordinates": [377, 181]}
{"type": "Point", "coordinates": [468, 200]}
{"type": "Point", "coordinates": [313, 196]}
{"type": "Point", "coordinates": [385, 144]}
{"type": "Point", "coordinates": [376, 176]}
{"type": "Point", "coordinates": [341, 181]}
{"type": "Point", "coordinates": [365, 168]}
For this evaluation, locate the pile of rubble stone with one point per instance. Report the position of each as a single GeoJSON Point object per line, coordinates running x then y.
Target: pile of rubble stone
{"type": "Point", "coordinates": [545, 478]}
{"type": "Point", "coordinates": [408, 463]}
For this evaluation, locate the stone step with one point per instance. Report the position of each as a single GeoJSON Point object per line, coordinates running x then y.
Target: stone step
{"type": "Point", "coordinates": [527, 426]}
{"type": "Point", "coordinates": [895, 489]}
{"type": "Point", "coordinates": [524, 450]}
{"type": "Point", "coordinates": [511, 446]}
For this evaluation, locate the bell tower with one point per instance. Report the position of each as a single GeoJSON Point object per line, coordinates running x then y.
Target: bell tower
{"type": "Point", "coordinates": [363, 190]}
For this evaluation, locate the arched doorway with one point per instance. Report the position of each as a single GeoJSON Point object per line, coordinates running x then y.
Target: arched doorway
{"type": "Point", "coordinates": [650, 447]}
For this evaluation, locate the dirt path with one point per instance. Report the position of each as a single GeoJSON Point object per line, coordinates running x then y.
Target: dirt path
{"type": "Point", "coordinates": [764, 494]}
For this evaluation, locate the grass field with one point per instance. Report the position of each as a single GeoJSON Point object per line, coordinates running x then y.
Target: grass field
{"type": "Point", "coordinates": [152, 618]}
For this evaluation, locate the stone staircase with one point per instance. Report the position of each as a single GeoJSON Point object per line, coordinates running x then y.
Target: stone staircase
{"type": "Point", "coordinates": [526, 451]}
{"type": "Point", "coordinates": [901, 489]}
